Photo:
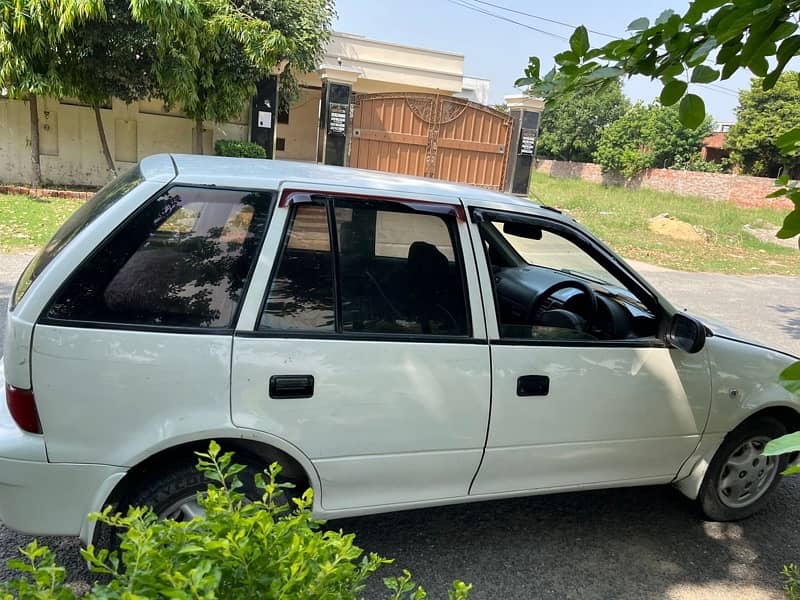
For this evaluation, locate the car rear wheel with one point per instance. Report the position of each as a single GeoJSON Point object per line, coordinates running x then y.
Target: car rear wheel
{"type": "Point", "coordinates": [172, 494]}
{"type": "Point", "coordinates": [740, 479]}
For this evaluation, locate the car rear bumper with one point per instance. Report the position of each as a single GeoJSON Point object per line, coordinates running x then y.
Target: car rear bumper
{"type": "Point", "coordinates": [43, 498]}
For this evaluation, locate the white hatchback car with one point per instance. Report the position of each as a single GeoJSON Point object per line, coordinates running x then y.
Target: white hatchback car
{"type": "Point", "coordinates": [395, 343]}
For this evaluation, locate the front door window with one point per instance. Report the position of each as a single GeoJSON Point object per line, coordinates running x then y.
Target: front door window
{"type": "Point", "coordinates": [547, 287]}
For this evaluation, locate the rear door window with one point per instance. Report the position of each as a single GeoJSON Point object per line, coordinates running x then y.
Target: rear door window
{"type": "Point", "coordinates": [392, 270]}
{"type": "Point", "coordinates": [182, 261]}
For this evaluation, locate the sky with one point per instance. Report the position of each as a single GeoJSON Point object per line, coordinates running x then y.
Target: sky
{"type": "Point", "coordinates": [498, 50]}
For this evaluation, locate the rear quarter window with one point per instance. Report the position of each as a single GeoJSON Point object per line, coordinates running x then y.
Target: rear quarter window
{"type": "Point", "coordinates": [76, 223]}
{"type": "Point", "coordinates": [182, 261]}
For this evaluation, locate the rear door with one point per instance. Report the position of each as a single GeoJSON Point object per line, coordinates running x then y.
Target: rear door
{"type": "Point", "coordinates": [359, 345]}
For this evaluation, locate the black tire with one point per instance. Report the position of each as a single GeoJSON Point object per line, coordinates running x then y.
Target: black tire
{"type": "Point", "coordinates": [719, 505]}
{"type": "Point", "coordinates": [163, 489]}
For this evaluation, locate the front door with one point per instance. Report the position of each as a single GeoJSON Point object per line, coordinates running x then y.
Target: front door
{"type": "Point", "coordinates": [584, 391]}
{"type": "Point", "coordinates": [361, 348]}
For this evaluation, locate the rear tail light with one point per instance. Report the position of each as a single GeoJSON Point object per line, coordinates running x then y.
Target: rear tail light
{"type": "Point", "coordinates": [22, 406]}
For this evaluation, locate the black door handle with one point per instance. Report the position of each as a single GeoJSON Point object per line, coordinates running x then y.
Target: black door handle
{"type": "Point", "coordinates": [533, 385]}
{"type": "Point", "coordinates": [291, 386]}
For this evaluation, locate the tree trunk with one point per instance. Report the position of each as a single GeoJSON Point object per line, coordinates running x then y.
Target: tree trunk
{"type": "Point", "coordinates": [103, 141]}
{"type": "Point", "coordinates": [36, 169]}
{"type": "Point", "coordinates": [198, 136]}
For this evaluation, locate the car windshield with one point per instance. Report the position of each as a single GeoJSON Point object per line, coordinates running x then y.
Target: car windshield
{"type": "Point", "coordinates": [87, 213]}
{"type": "Point", "coordinates": [559, 254]}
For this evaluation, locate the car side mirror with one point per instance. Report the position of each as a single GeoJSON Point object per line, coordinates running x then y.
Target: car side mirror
{"type": "Point", "coordinates": [686, 333]}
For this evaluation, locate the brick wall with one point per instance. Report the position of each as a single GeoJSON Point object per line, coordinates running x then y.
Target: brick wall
{"type": "Point", "coordinates": [742, 190]}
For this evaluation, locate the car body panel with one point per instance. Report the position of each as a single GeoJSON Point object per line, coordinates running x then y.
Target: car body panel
{"type": "Point", "coordinates": [611, 414]}
{"type": "Point", "coordinates": [393, 424]}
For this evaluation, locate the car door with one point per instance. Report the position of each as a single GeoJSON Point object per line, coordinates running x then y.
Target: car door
{"type": "Point", "coordinates": [360, 345]}
{"type": "Point", "coordinates": [574, 403]}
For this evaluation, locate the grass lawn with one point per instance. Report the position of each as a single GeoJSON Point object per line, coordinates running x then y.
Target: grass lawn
{"type": "Point", "coordinates": [28, 223]}
{"type": "Point", "coordinates": [620, 218]}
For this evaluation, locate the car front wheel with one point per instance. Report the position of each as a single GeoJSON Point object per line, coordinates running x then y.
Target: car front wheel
{"type": "Point", "coordinates": [740, 479]}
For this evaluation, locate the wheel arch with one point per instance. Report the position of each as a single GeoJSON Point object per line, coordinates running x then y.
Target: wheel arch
{"type": "Point", "coordinates": [690, 479]}
{"type": "Point", "coordinates": [297, 468]}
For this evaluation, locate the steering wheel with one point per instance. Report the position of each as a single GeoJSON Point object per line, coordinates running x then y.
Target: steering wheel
{"type": "Point", "coordinates": [538, 304]}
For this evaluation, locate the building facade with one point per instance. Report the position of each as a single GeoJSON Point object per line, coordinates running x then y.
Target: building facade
{"type": "Point", "coordinates": [70, 145]}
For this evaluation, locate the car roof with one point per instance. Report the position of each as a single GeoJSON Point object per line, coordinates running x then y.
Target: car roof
{"type": "Point", "coordinates": [249, 172]}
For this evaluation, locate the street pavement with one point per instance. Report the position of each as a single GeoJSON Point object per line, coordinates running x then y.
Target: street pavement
{"type": "Point", "coordinates": [646, 542]}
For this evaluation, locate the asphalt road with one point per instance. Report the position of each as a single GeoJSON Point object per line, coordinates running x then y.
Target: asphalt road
{"type": "Point", "coordinates": [644, 542]}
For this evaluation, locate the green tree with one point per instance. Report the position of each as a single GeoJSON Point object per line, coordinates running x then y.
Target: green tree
{"type": "Point", "coordinates": [571, 129]}
{"type": "Point", "coordinates": [648, 136]}
{"type": "Point", "coordinates": [762, 117]}
{"type": "Point", "coordinates": [30, 31]}
{"type": "Point", "coordinates": [306, 24]}
{"type": "Point", "coordinates": [710, 42]}
{"type": "Point", "coordinates": [109, 58]}
{"type": "Point", "coordinates": [209, 56]}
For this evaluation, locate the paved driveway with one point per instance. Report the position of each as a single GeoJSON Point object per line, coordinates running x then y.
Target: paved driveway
{"type": "Point", "coordinates": [635, 543]}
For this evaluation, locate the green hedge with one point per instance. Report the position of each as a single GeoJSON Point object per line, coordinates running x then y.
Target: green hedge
{"type": "Point", "coordinates": [239, 149]}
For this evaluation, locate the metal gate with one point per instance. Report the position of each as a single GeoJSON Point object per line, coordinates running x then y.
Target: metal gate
{"type": "Point", "coordinates": [431, 135]}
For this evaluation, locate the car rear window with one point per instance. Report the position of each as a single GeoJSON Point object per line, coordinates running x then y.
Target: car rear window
{"type": "Point", "coordinates": [87, 213]}
{"type": "Point", "coordinates": [182, 261]}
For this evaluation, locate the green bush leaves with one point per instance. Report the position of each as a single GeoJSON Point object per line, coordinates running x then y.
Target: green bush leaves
{"type": "Point", "coordinates": [239, 549]}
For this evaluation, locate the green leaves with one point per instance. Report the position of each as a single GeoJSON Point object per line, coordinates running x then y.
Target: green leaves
{"type": "Point", "coordinates": [639, 24]}
{"type": "Point", "coordinates": [692, 111]}
{"type": "Point", "coordinates": [239, 549]}
{"type": "Point", "coordinates": [790, 378]}
{"type": "Point", "coordinates": [672, 92]}
{"type": "Point", "coordinates": [704, 74]}
{"type": "Point", "coordinates": [783, 445]}
{"type": "Point", "coordinates": [791, 228]}
{"type": "Point", "coordinates": [579, 41]}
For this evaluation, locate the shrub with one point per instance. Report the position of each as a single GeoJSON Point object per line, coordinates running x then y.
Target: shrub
{"type": "Point", "coordinates": [239, 149]}
{"type": "Point", "coordinates": [239, 549]}
{"type": "Point", "coordinates": [647, 136]}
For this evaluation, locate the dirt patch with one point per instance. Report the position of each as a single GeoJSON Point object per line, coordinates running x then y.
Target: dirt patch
{"type": "Point", "coordinates": [767, 234]}
{"type": "Point", "coordinates": [669, 226]}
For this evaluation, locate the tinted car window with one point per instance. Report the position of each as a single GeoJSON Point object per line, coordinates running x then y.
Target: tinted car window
{"type": "Point", "coordinates": [87, 213]}
{"type": "Point", "coordinates": [301, 293]}
{"type": "Point", "coordinates": [398, 271]}
{"type": "Point", "coordinates": [182, 261]}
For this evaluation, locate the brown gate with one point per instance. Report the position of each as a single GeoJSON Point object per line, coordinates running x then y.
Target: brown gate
{"type": "Point", "coordinates": [430, 135]}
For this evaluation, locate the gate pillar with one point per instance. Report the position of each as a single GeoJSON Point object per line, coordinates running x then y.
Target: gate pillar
{"type": "Point", "coordinates": [334, 118]}
{"type": "Point", "coordinates": [526, 112]}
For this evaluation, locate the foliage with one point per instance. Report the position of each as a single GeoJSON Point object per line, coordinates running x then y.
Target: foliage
{"type": "Point", "coordinates": [307, 24]}
{"type": "Point", "coordinates": [238, 547]}
{"type": "Point", "coordinates": [677, 49]}
{"type": "Point", "coordinates": [571, 129]}
{"type": "Point", "coordinates": [647, 136]}
{"type": "Point", "coordinates": [239, 149]}
{"type": "Point", "coordinates": [111, 57]}
{"type": "Point", "coordinates": [792, 582]}
{"type": "Point", "coordinates": [209, 55]}
{"type": "Point", "coordinates": [30, 31]}
{"type": "Point", "coordinates": [695, 163]}
{"type": "Point", "coordinates": [762, 116]}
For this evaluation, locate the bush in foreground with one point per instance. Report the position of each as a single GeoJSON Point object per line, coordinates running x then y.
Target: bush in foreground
{"type": "Point", "coordinates": [239, 549]}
